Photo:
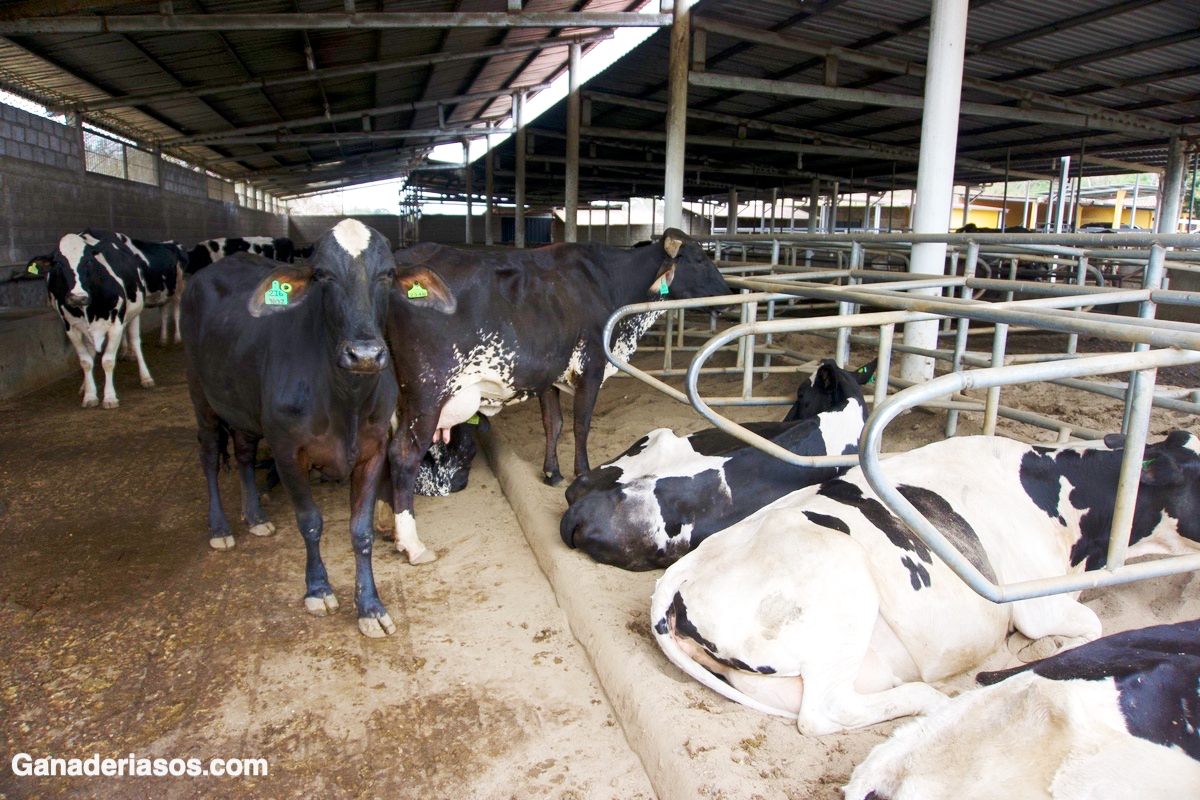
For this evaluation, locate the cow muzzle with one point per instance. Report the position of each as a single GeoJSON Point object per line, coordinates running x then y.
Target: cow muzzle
{"type": "Point", "coordinates": [363, 356]}
{"type": "Point", "coordinates": [77, 300]}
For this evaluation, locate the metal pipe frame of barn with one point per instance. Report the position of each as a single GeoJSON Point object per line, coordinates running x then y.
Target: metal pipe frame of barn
{"type": "Point", "coordinates": [1058, 308]}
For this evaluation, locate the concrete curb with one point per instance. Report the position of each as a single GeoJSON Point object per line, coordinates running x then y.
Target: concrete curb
{"type": "Point", "coordinates": [577, 583]}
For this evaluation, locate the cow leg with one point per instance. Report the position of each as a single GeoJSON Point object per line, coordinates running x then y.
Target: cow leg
{"type": "Point", "coordinates": [135, 341]}
{"type": "Point", "coordinates": [212, 449]}
{"type": "Point", "coordinates": [383, 512]}
{"type": "Point", "coordinates": [408, 447]}
{"type": "Point", "coordinates": [552, 423]}
{"type": "Point", "coordinates": [178, 306]}
{"type": "Point", "coordinates": [373, 619]}
{"type": "Point", "coordinates": [109, 361]}
{"type": "Point", "coordinates": [319, 599]}
{"type": "Point", "coordinates": [1054, 623]}
{"type": "Point", "coordinates": [586, 392]}
{"type": "Point", "coordinates": [245, 447]}
{"type": "Point", "coordinates": [165, 320]}
{"type": "Point", "coordinates": [87, 360]}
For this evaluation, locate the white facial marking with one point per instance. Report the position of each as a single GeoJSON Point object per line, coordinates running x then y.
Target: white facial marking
{"type": "Point", "coordinates": [1193, 444]}
{"type": "Point", "coordinates": [352, 235]}
{"type": "Point", "coordinates": [71, 246]}
{"type": "Point", "coordinates": [840, 429]}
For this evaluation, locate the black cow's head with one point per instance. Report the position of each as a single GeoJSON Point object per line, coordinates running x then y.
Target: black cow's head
{"type": "Point", "coordinates": [687, 271]}
{"type": "Point", "coordinates": [198, 258]}
{"type": "Point", "coordinates": [829, 388]}
{"type": "Point", "coordinates": [350, 275]}
{"type": "Point", "coordinates": [1170, 487]}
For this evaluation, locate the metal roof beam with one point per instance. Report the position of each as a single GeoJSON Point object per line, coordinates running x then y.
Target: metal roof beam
{"type": "Point", "coordinates": [885, 151]}
{"type": "Point", "coordinates": [328, 73]}
{"type": "Point", "coordinates": [165, 23]}
{"type": "Point", "coordinates": [286, 126]}
{"type": "Point", "coordinates": [450, 134]}
{"type": "Point", "coordinates": [1096, 114]}
{"type": "Point", "coordinates": [1061, 25]}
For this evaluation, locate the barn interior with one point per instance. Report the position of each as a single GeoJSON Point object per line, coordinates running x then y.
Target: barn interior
{"type": "Point", "coordinates": [819, 149]}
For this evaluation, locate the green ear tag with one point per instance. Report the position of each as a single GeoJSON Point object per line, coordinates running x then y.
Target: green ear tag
{"type": "Point", "coordinates": [277, 295]}
{"type": "Point", "coordinates": [417, 291]}
{"type": "Point", "coordinates": [1147, 462]}
{"type": "Point", "coordinates": [32, 269]}
{"type": "Point", "coordinates": [663, 288]}
{"type": "Point", "coordinates": [473, 420]}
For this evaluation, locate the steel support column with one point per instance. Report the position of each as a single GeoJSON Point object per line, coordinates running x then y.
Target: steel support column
{"type": "Point", "coordinates": [935, 171]}
{"type": "Point", "coordinates": [1168, 209]}
{"type": "Point", "coordinates": [519, 192]}
{"type": "Point", "coordinates": [731, 216]}
{"type": "Point", "coordinates": [677, 74]}
{"type": "Point", "coordinates": [489, 188]}
{"type": "Point", "coordinates": [469, 188]}
{"type": "Point", "coordinates": [571, 203]}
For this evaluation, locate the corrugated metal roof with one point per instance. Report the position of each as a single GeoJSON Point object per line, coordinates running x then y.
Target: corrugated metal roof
{"type": "Point", "coordinates": [1141, 56]}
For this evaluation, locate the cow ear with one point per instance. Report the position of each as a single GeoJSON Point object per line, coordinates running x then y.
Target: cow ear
{"type": "Point", "coordinates": [866, 373]}
{"type": "Point", "coordinates": [1114, 441]}
{"type": "Point", "coordinates": [38, 265]}
{"type": "Point", "coordinates": [662, 283]}
{"type": "Point", "coordinates": [421, 287]}
{"type": "Point", "coordinates": [671, 243]}
{"type": "Point", "coordinates": [825, 380]}
{"type": "Point", "coordinates": [1161, 470]}
{"type": "Point", "coordinates": [281, 290]}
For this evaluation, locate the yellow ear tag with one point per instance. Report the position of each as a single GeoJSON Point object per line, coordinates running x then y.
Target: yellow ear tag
{"type": "Point", "coordinates": [473, 420]}
{"type": "Point", "coordinates": [32, 269]}
{"type": "Point", "coordinates": [277, 295]}
{"type": "Point", "coordinates": [417, 291]}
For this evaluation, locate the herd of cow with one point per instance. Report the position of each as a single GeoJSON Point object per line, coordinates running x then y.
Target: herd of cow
{"type": "Point", "coordinates": [793, 591]}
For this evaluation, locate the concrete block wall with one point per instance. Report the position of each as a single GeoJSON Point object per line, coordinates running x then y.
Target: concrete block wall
{"type": "Point", "coordinates": [45, 192]}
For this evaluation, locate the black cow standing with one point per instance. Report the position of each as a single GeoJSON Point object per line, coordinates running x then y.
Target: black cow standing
{"type": "Point", "coordinates": [296, 356]}
{"type": "Point", "coordinates": [472, 332]}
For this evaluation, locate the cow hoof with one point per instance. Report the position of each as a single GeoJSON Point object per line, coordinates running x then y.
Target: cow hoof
{"type": "Point", "coordinates": [221, 542]}
{"type": "Point", "coordinates": [321, 606]}
{"type": "Point", "coordinates": [111, 403]}
{"type": "Point", "coordinates": [552, 479]}
{"type": "Point", "coordinates": [263, 529]}
{"type": "Point", "coordinates": [91, 402]}
{"type": "Point", "coordinates": [148, 383]}
{"type": "Point", "coordinates": [1042, 648]}
{"type": "Point", "coordinates": [424, 557]}
{"type": "Point", "coordinates": [376, 627]}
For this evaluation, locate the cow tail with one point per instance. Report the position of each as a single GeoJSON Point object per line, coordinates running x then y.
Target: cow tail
{"type": "Point", "coordinates": [663, 628]}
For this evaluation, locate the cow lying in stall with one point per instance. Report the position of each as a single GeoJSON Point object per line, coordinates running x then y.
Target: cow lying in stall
{"type": "Point", "coordinates": [212, 250]}
{"type": "Point", "coordinates": [828, 610]}
{"type": "Point", "coordinates": [664, 495]}
{"type": "Point", "coordinates": [472, 332]}
{"type": "Point", "coordinates": [97, 290]}
{"type": "Point", "coordinates": [296, 356]}
{"type": "Point", "coordinates": [1113, 718]}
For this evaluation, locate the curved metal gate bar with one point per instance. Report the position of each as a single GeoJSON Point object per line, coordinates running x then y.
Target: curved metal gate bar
{"type": "Point", "coordinates": [1115, 571]}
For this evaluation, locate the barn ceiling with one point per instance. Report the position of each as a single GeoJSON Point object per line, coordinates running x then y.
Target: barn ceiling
{"type": "Point", "coordinates": [295, 96]}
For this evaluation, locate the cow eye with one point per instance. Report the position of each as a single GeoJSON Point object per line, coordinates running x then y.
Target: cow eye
{"type": "Point", "coordinates": [321, 275]}
{"type": "Point", "coordinates": [387, 276]}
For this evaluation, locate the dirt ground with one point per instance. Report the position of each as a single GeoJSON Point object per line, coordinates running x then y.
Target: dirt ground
{"type": "Point", "coordinates": [520, 668]}
{"type": "Point", "coordinates": [122, 631]}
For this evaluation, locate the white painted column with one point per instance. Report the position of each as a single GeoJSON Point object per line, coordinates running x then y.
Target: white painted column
{"type": "Point", "coordinates": [571, 204]}
{"type": "Point", "coordinates": [677, 80]}
{"type": "Point", "coordinates": [935, 171]}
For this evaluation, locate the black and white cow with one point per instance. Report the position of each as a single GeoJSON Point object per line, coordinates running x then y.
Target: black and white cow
{"type": "Point", "coordinates": [474, 331]}
{"type": "Point", "coordinates": [162, 266]}
{"type": "Point", "coordinates": [296, 356]}
{"type": "Point", "coordinates": [1118, 717]}
{"type": "Point", "coordinates": [212, 250]}
{"type": "Point", "coordinates": [97, 290]}
{"type": "Point", "coordinates": [828, 610]}
{"type": "Point", "coordinates": [664, 495]}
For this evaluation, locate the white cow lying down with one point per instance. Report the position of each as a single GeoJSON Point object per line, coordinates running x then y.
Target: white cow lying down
{"type": "Point", "coordinates": [825, 608]}
{"type": "Point", "coordinates": [1114, 718]}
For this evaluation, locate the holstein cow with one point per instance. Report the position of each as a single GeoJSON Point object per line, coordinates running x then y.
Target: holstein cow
{"type": "Point", "coordinates": [662, 497]}
{"type": "Point", "coordinates": [296, 356]}
{"type": "Point", "coordinates": [161, 265]}
{"type": "Point", "coordinates": [98, 291]}
{"type": "Point", "coordinates": [1114, 718]}
{"type": "Point", "coordinates": [213, 250]}
{"type": "Point", "coordinates": [472, 332]}
{"type": "Point", "coordinates": [828, 610]}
